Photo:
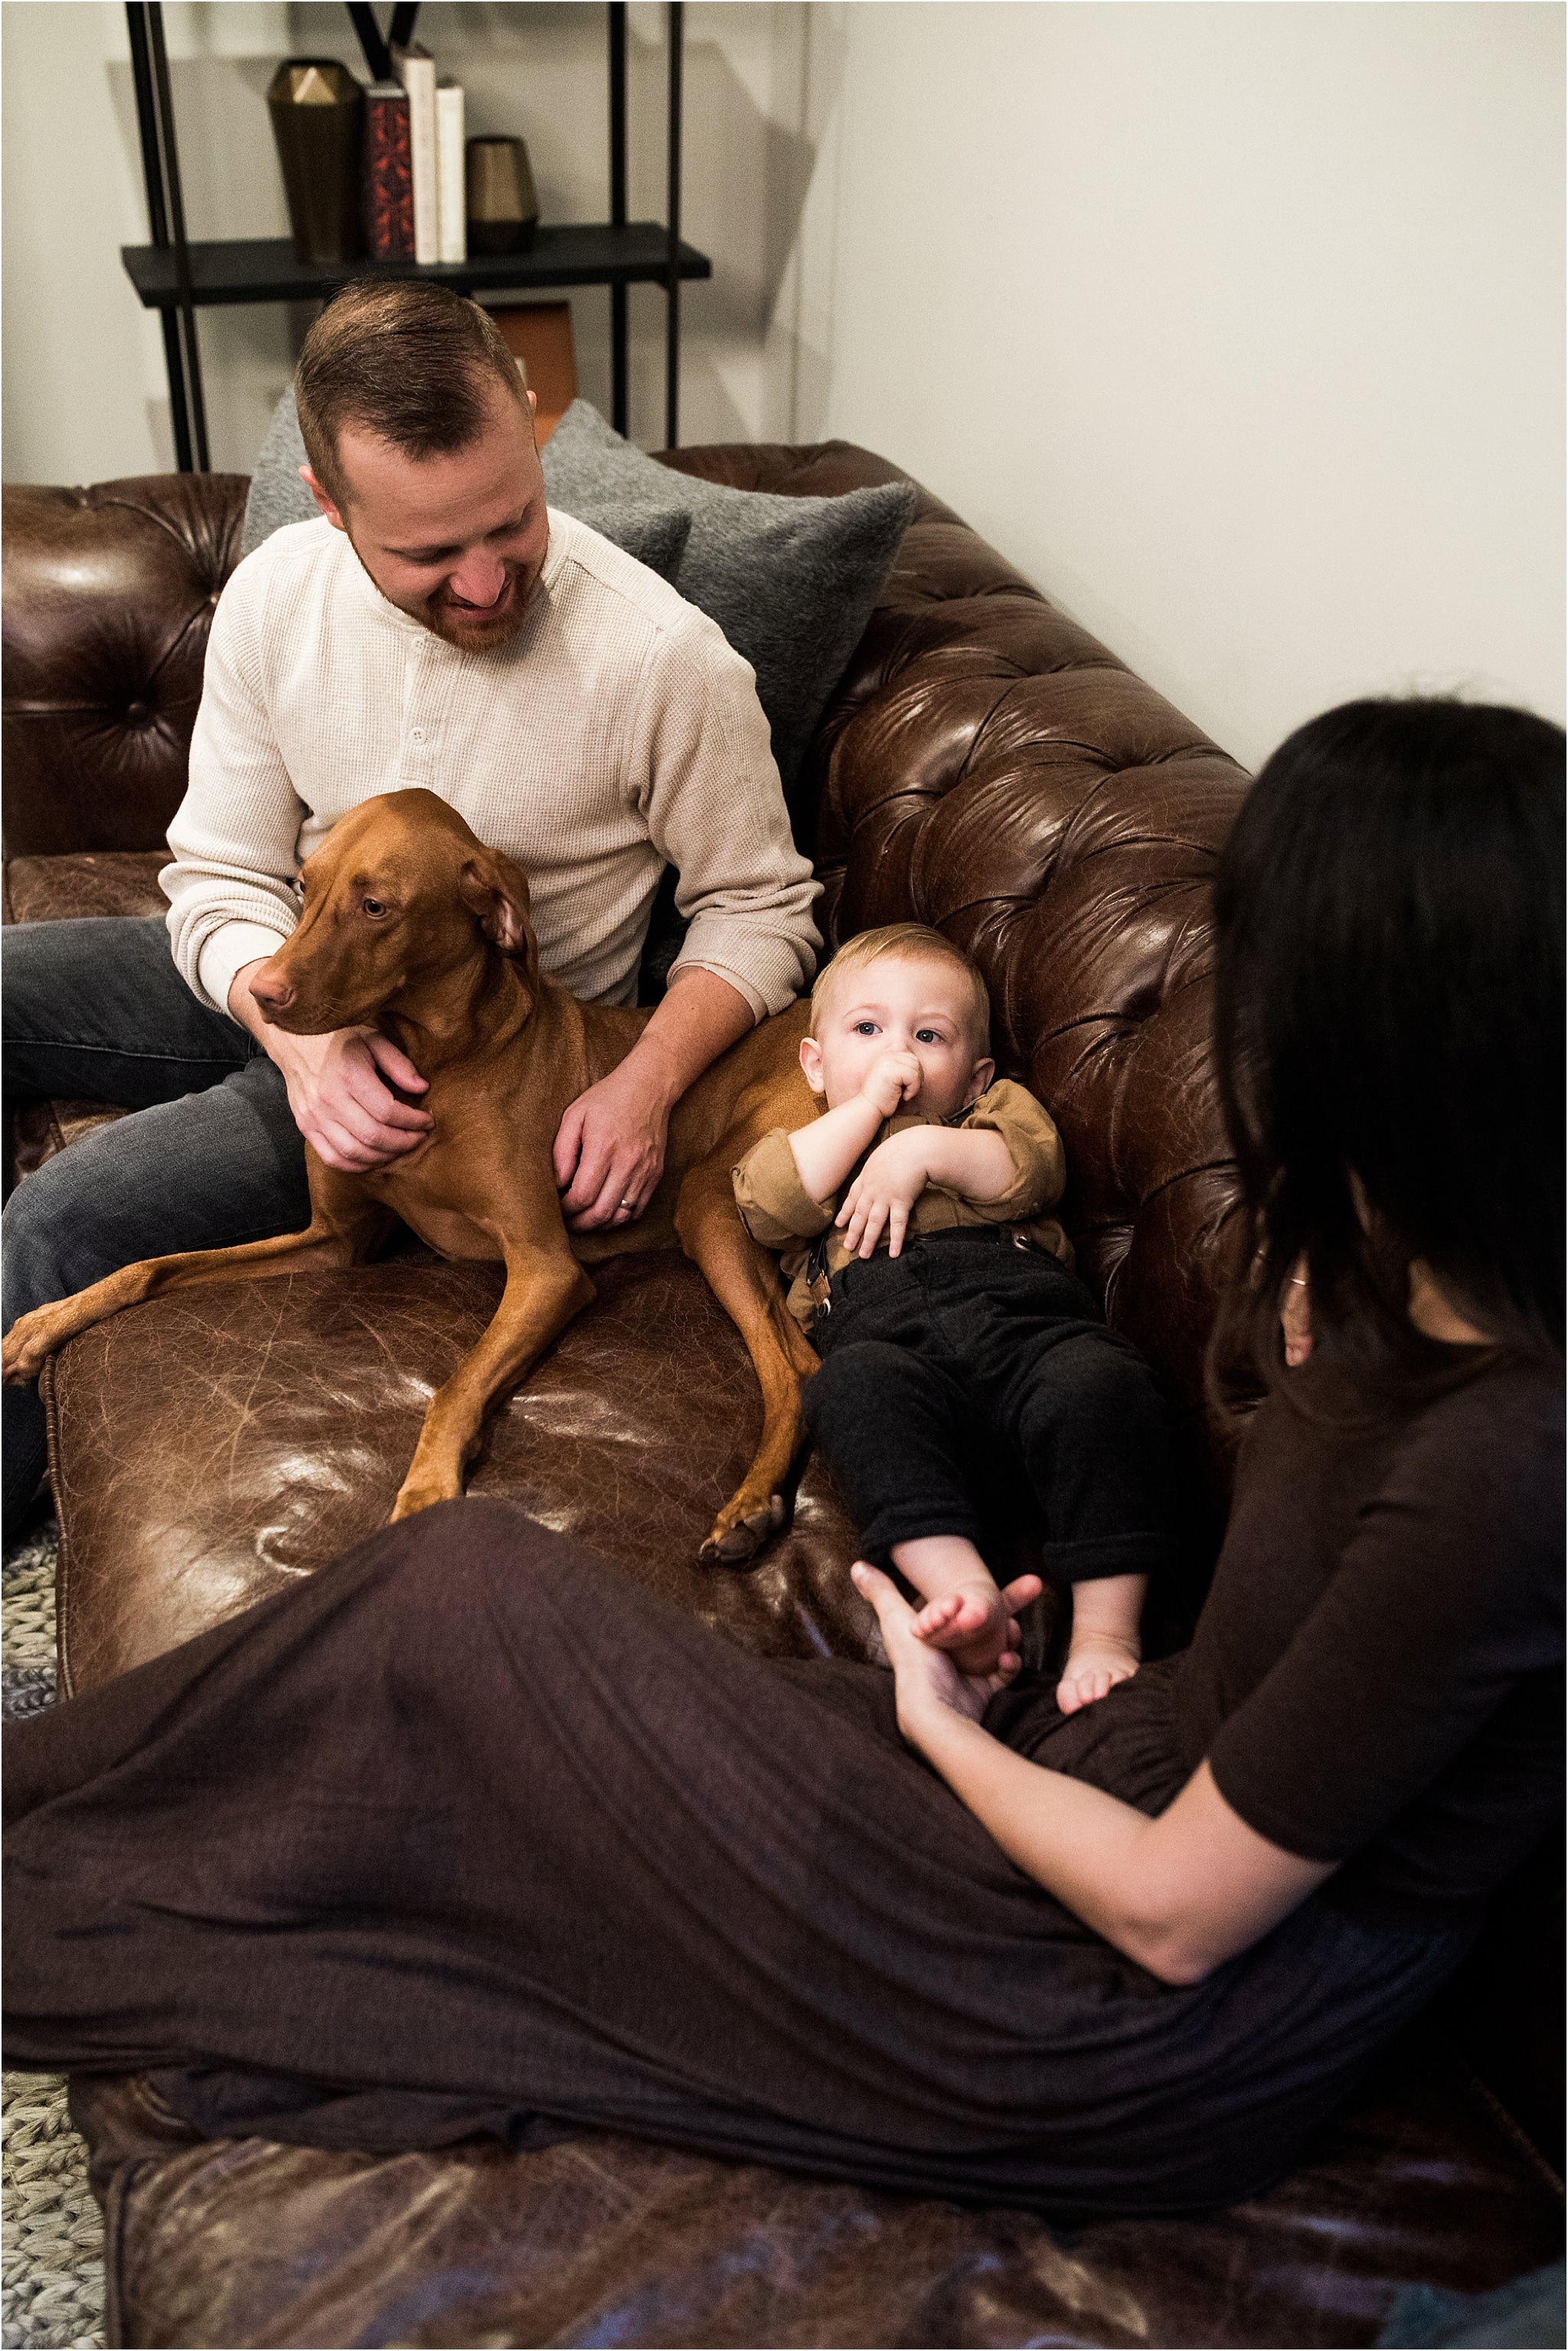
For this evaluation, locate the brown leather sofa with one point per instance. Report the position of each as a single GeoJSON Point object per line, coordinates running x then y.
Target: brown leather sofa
{"type": "Point", "coordinates": [984, 765]}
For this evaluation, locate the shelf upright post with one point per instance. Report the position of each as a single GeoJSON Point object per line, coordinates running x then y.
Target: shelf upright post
{"type": "Point", "coordinates": [170, 151]}
{"type": "Point", "coordinates": [618, 399]}
{"type": "Point", "coordinates": [166, 220]}
{"type": "Point", "coordinates": [673, 279]}
{"type": "Point", "coordinates": [158, 224]}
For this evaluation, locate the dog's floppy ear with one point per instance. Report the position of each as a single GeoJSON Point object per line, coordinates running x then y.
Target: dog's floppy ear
{"type": "Point", "coordinates": [492, 887]}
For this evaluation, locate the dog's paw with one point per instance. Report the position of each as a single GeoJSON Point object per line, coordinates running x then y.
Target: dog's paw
{"type": "Point", "coordinates": [421, 1494]}
{"type": "Point", "coordinates": [29, 1344]}
{"type": "Point", "coordinates": [735, 1539]}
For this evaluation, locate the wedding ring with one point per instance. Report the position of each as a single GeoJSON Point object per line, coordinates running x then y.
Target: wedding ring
{"type": "Point", "coordinates": [628, 1204]}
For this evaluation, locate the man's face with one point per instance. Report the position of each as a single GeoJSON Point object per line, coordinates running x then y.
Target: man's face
{"type": "Point", "coordinates": [456, 541]}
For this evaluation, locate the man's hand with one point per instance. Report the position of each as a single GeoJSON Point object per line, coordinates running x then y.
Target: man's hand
{"type": "Point", "coordinates": [609, 1147]}
{"type": "Point", "coordinates": [340, 1086]}
{"type": "Point", "coordinates": [339, 1092]}
{"type": "Point", "coordinates": [893, 1078]}
{"type": "Point", "coordinates": [886, 1190]}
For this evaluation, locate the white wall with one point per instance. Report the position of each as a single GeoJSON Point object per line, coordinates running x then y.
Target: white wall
{"type": "Point", "coordinates": [1238, 329]}
{"type": "Point", "coordinates": [85, 389]}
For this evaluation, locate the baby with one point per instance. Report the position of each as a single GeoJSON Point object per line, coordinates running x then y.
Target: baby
{"type": "Point", "coordinates": [911, 1218]}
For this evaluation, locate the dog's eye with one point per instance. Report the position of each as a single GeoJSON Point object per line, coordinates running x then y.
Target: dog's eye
{"type": "Point", "coordinates": [373, 906]}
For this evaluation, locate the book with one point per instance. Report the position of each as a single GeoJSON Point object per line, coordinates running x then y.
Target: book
{"type": "Point", "coordinates": [388, 173]}
{"type": "Point", "coordinates": [451, 192]}
{"type": "Point", "coordinates": [416, 69]}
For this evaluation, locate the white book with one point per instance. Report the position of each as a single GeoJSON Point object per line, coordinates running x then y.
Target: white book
{"type": "Point", "coordinates": [451, 193]}
{"type": "Point", "coordinates": [416, 69]}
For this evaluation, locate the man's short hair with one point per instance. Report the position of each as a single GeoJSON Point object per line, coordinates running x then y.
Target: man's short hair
{"type": "Point", "coordinates": [909, 941]}
{"type": "Point", "coordinates": [413, 364]}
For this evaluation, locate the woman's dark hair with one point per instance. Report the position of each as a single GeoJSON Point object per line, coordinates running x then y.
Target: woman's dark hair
{"type": "Point", "coordinates": [1389, 1032]}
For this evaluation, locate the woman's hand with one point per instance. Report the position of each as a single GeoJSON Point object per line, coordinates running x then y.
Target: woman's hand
{"type": "Point", "coordinates": [929, 1684]}
{"type": "Point", "coordinates": [884, 1191]}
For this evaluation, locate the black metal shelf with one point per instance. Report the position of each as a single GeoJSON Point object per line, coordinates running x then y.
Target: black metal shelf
{"type": "Point", "coordinates": [176, 277]}
{"type": "Point", "coordinates": [262, 269]}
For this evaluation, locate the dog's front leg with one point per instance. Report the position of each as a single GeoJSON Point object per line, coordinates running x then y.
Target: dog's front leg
{"type": "Point", "coordinates": [33, 1338]}
{"type": "Point", "coordinates": [544, 1287]}
{"type": "Point", "coordinates": [744, 1278]}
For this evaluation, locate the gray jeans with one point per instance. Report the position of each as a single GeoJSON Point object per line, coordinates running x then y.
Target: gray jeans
{"type": "Point", "coordinates": [96, 1009]}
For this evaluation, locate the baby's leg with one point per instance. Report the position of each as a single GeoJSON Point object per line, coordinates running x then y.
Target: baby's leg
{"type": "Point", "coordinates": [888, 1423]}
{"type": "Point", "coordinates": [1094, 1432]}
{"type": "Point", "coordinates": [1094, 1435]}
{"type": "Point", "coordinates": [1106, 1647]}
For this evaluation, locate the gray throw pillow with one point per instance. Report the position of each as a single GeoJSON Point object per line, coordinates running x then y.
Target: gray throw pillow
{"type": "Point", "coordinates": [277, 496]}
{"type": "Point", "coordinates": [790, 581]}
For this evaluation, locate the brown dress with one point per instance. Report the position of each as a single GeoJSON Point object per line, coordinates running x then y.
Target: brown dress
{"type": "Point", "coordinates": [469, 1834]}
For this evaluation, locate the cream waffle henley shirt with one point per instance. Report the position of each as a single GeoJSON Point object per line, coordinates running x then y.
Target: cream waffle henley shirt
{"type": "Point", "coordinates": [616, 732]}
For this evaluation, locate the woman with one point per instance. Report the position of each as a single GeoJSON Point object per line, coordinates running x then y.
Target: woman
{"type": "Point", "coordinates": [472, 1834]}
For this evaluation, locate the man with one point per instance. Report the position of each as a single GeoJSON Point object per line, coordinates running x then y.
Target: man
{"type": "Point", "coordinates": [437, 627]}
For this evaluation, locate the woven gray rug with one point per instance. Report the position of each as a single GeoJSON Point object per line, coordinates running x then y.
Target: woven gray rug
{"type": "Point", "coordinates": [51, 2255]}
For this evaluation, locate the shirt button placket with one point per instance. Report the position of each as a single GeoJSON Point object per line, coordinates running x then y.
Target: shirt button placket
{"type": "Point", "coordinates": [415, 758]}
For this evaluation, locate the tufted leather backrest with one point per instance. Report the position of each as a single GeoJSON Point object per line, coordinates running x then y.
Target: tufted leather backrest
{"type": "Point", "coordinates": [984, 765]}
{"type": "Point", "coordinates": [108, 596]}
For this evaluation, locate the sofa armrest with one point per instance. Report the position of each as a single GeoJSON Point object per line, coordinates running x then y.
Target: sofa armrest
{"type": "Point", "coordinates": [108, 596]}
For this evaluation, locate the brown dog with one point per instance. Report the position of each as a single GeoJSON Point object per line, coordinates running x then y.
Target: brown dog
{"type": "Point", "coordinates": [410, 925]}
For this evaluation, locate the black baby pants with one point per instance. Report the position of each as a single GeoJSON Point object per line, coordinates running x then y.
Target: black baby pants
{"type": "Point", "coordinates": [967, 1347]}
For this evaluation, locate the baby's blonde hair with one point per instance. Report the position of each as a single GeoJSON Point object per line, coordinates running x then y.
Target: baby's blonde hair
{"type": "Point", "coordinates": [910, 942]}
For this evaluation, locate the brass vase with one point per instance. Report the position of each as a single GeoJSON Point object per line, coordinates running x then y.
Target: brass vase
{"type": "Point", "coordinates": [317, 109]}
{"type": "Point", "coordinates": [503, 202]}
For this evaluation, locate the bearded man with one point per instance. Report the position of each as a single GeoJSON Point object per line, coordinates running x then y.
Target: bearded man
{"type": "Point", "coordinates": [438, 626]}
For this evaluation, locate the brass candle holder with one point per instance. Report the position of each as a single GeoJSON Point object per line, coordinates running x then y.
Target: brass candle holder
{"type": "Point", "coordinates": [503, 202]}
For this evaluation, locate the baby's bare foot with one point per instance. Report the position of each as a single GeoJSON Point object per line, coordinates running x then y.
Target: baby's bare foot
{"type": "Point", "coordinates": [1095, 1665]}
{"type": "Point", "coordinates": [974, 1625]}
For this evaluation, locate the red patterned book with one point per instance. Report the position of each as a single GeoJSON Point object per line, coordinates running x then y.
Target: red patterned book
{"type": "Point", "coordinates": [389, 174]}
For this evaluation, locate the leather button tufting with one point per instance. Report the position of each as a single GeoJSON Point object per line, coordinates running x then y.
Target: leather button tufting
{"type": "Point", "coordinates": [137, 714]}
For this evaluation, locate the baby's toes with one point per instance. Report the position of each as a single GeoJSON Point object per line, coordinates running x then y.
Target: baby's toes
{"type": "Point", "coordinates": [935, 1617]}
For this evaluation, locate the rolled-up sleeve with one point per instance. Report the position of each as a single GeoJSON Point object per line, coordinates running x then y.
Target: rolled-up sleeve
{"type": "Point", "coordinates": [775, 1205]}
{"type": "Point", "coordinates": [715, 809]}
{"type": "Point", "coordinates": [1034, 1146]}
{"type": "Point", "coordinates": [235, 836]}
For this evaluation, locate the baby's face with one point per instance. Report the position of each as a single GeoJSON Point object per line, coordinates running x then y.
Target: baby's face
{"type": "Point", "coordinates": [901, 1004]}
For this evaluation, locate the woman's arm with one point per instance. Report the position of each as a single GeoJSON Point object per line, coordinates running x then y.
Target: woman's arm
{"type": "Point", "coordinates": [1179, 1894]}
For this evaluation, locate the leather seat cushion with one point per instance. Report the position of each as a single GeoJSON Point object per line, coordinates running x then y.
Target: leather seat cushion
{"type": "Point", "coordinates": [259, 1429]}
{"type": "Point", "coordinates": [606, 2239]}
{"type": "Point", "coordinates": [89, 882]}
